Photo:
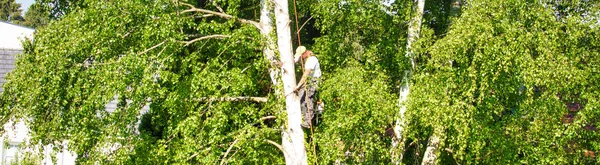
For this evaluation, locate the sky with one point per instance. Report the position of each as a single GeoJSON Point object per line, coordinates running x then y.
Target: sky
{"type": "Point", "coordinates": [25, 4]}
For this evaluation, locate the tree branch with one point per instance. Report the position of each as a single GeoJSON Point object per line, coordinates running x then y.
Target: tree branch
{"type": "Point", "coordinates": [267, 118]}
{"type": "Point", "coordinates": [241, 98]}
{"type": "Point", "coordinates": [220, 14]}
{"type": "Point", "coordinates": [223, 160]}
{"type": "Point", "coordinates": [276, 145]}
{"type": "Point", "coordinates": [205, 37]}
{"type": "Point", "coordinates": [153, 47]}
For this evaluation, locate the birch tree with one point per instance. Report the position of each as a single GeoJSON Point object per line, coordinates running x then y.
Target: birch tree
{"type": "Point", "coordinates": [197, 63]}
{"type": "Point", "coordinates": [496, 78]}
{"type": "Point", "coordinates": [292, 135]}
{"type": "Point", "coordinates": [413, 33]}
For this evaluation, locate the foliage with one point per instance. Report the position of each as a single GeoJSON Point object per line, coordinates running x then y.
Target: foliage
{"type": "Point", "coordinates": [60, 8]}
{"type": "Point", "coordinates": [510, 85]}
{"type": "Point", "coordinates": [10, 11]}
{"type": "Point", "coordinates": [133, 50]}
{"type": "Point", "coordinates": [36, 16]}
{"type": "Point", "coordinates": [360, 31]}
{"type": "Point", "coordinates": [355, 118]}
{"type": "Point", "coordinates": [360, 55]}
{"type": "Point", "coordinates": [27, 159]}
{"type": "Point", "coordinates": [503, 82]}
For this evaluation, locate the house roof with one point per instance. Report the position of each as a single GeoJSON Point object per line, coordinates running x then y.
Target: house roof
{"type": "Point", "coordinates": [11, 35]}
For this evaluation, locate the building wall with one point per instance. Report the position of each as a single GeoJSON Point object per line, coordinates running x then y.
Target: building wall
{"type": "Point", "coordinates": [7, 63]}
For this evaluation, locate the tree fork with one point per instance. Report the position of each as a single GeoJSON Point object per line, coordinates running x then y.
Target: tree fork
{"type": "Point", "coordinates": [219, 14]}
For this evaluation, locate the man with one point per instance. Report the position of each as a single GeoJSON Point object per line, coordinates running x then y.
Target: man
{"type": "Point", "coordinates": [311, 78]}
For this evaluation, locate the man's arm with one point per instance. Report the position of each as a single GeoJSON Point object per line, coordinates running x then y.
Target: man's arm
{"type": "Point", "coordinates": [303, 79]}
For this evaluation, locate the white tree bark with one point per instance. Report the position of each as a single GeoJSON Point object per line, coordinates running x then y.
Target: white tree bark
{"type": "Point", "coordinates": [293, 135]}
{"type": "Point", "coordinates": [266, 30]}
{"type": "Point", "coordinates": [432, 150]}
{"type": "Point", "coordinates": [414, 29]}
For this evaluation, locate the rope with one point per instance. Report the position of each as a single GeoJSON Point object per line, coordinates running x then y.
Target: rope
{"type": "Point", "coordinates": [311, 109]}
{"type": "Point", "coordinates": [297, 30]}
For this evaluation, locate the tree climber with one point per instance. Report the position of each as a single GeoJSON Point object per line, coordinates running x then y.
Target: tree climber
{"type": "Point", "coordinates": [311, 77]}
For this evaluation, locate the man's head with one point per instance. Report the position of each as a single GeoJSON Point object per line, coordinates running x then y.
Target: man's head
{"type": "Point", "coordinates": [300, 51]}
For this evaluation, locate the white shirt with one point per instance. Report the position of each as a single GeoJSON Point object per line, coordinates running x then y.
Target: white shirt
{"type": "Point", "coordinates": [313, 63]}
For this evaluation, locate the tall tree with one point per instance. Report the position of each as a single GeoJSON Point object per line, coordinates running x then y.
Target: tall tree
{"type": "Point", "coordinates": [293, 135]}
{"type": "Point", "coordinates": [60, 8]}
{"type": "Point", "coordinates": [414, 29]}
{"type": "Point", "coordinates": [197, 64]}
{"type": "Point", "coordinates": [36, 16]}
{"type": "Point", "coordinates": [11, 11]}
{"type": "Point", "coordinates": [506, 86]}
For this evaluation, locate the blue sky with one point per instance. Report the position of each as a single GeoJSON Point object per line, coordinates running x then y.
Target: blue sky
{"type": "Point", "coordinates": [25, 4]}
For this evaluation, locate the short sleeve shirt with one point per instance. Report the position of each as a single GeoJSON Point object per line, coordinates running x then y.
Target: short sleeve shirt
{"type": "Point", "coordinates": [313, 63]}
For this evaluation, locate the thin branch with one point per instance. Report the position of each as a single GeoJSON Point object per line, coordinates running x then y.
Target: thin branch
{"type": "Point", "coordinates": [220, 14]}
{"type": "Point", "coordinates": [267, 118]}
{"type": "Point", "coordinates": [220, 9]}
{"type": "Point", "coordinates": [223, 160]}
{"type": "Point", "coordinates": [298, 31]}
{"type": "Point", "coordinates": [153, 47]}
{"type": "Point", "coordinates": [205, 37]}
{"type": "Point", "coordinates": [204, 16]}
{"type": "Point", "coordinates": [241, 98]}
{"type": "Point", "coordinates": [276, 145]}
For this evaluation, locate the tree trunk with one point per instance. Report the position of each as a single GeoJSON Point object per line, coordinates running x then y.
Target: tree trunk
{"type": "Point", "coordinates": [266, 30]}
{"type": "Point", "coordinates": [293, 135]}
{"type": "Point", "coordinates": [413, 33]}
{"type": "Point", "coordinates": [434, 141]}
{"type": "Point", "coordinates": [432, 150]}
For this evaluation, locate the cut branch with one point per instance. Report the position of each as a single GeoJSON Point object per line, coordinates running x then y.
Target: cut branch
{"type": "Point", "coordinates": [220, 14]}
{"type": "Point", "coordinates": [242, 98]}
{"type": "Point", "coordinates": [219, 36]}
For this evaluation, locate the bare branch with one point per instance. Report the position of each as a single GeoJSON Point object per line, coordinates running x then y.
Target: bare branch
{"type": "Point", "coordinates": [220, 9]}
{"type": "Point", "coordinates": [220, 14]}
{"type": "Point", "coordinates": [204, 16]}
{"type": "Point", "coordinates": [298, 31]}
{"type": "Point", "coordinates": [242, 98]}
{"type": "Point", "coordinates": [267, 118]}
{"type": "Point", "coordinates": [223, 160]}
{"type": "Point", "coordinates": [276, 145]}
{"type": "Point", "coordinates": [205, 37]}
{"type": "Point", "coordinates": [153, 47]}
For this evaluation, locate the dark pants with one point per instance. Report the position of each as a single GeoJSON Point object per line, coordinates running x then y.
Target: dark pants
{"type": "Point", "coordinates": [308, 100]}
